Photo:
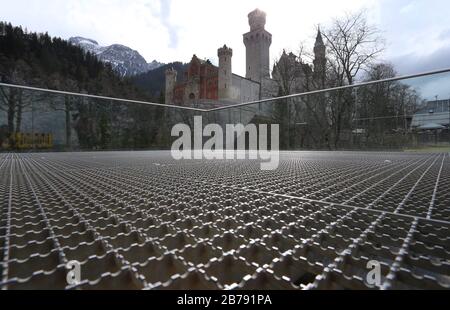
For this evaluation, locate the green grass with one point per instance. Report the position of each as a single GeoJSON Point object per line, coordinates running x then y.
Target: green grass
{"type": "Point", "coordinates": [429, 149]}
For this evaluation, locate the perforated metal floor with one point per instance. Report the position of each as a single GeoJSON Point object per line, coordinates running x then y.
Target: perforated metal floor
{"type": "Point", "coordinates": [138, 220]}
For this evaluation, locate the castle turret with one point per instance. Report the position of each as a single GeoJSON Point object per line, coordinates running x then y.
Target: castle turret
{"type": "Point", "coordinates": [171, 80]}
{"type": "Point", "coordinates": [257, 43]}
{"type": "Point", "coordinates": [225, 72]}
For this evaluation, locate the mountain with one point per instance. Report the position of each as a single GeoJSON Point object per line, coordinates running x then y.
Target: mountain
{"type": "Point", "coordinates": [153, 82]}
{"type": "Point", "coordinates": [125, 61]}
{"type": "Point", "coordinates": [38, 60]}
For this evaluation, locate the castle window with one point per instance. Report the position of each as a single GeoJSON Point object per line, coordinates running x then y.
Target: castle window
{"type": "Point", "coordinates": [225, 85]}
{"type": "Point", "coordinates": [191, 96]}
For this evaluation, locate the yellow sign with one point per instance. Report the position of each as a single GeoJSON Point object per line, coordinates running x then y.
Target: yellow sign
{"type": "Point", "coordinates": [37, 140]}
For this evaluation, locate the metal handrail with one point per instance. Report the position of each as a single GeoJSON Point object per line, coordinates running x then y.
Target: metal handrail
{"type": "Point", "coordinates": [100, 97]}
{"type": "Point", "coordinates": [315, 92]}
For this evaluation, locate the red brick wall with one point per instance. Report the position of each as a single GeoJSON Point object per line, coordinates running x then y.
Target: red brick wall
{"type": "Point", "coordinates": [208, 77]}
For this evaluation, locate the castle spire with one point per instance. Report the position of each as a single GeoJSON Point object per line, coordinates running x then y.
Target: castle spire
{"type": "Point", "coordinates": [319, 46]}
{"type": "Point", "coordinates": [319, 39]}
{"type": "Point", "coordinates": [319, 59]}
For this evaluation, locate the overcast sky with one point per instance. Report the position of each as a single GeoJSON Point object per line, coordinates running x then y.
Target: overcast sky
{"type": "Point", "coordinates": [417, 32]}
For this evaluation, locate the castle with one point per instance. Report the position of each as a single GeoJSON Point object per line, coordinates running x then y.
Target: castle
{"type": "Point", "coordinates": [205, 85]}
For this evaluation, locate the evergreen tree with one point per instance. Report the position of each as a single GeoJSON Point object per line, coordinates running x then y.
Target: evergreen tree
{"type": "Point", "coordinates": [36, 59]}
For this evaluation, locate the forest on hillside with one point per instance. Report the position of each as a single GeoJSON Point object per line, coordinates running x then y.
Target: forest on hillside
{"type": "Point", "coordinates": [38, 60]}
{"type": "Point", "coordinates": [153, 82]}
{"type": "Point", "coordinates": [376, 116]}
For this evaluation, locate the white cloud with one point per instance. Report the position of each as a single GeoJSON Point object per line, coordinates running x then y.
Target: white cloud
{"type": "Point", "coordinates": [169, 30]}
{"type": "Point", "coordinates": [206, 25]}
{"type": "Point", "coordinates": [175, 30]}
{"type": "Point", "coordinates": [414, 27]}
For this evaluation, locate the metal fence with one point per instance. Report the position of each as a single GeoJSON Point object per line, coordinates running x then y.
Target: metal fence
{"type": "Point", "coordinates": [143, 220]}
{"type": "Point", "coordinates": [386, 114]}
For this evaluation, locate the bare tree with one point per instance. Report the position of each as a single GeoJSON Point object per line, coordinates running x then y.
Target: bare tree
{"type": "Point", "coordinates": [352, 45]}
{"type": "Point", "coordinates": [14, 100]}
{"type": "Point", "coordinates": [288, 75]}
{"type": "Point", "coordinates": [304, 119]}
{"type": "Point", "coordinates": [385, 109]}
{"type": "Point", "coordinates": [67, 105]}
{"type": "Point", "coordinates": [375, 101]}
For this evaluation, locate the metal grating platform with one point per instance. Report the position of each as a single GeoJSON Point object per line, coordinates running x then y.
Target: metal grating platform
{"type": "Point", "coordinates": [140, 220]}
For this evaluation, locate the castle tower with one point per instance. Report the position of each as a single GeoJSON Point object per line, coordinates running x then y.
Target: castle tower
{"type": "Point", "coordinates": [225, 72]}
{"type": "Point", "coordinates": [319, 60]}
{"type": "Point", "coordinates": [171, 80]}
{"type": "Point", "coordinates": [257, 43]}
{"type": "Point", "coordinates": [2, 29]}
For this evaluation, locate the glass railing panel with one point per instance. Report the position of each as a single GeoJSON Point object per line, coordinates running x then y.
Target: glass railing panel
{"type": "Point", "coordinates": [400, 114]}
{"type": "Point", "coordinates": [391, 115]}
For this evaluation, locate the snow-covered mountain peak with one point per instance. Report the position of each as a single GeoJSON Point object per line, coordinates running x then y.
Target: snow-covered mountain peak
{"type": "Point", "coordinates": [124, 60]}
{"type": "Point", "coordinates": [81, 40]}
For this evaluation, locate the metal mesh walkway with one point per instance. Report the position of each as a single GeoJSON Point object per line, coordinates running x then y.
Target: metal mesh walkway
{"type": "Point", "coordinates": [139, 220]}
